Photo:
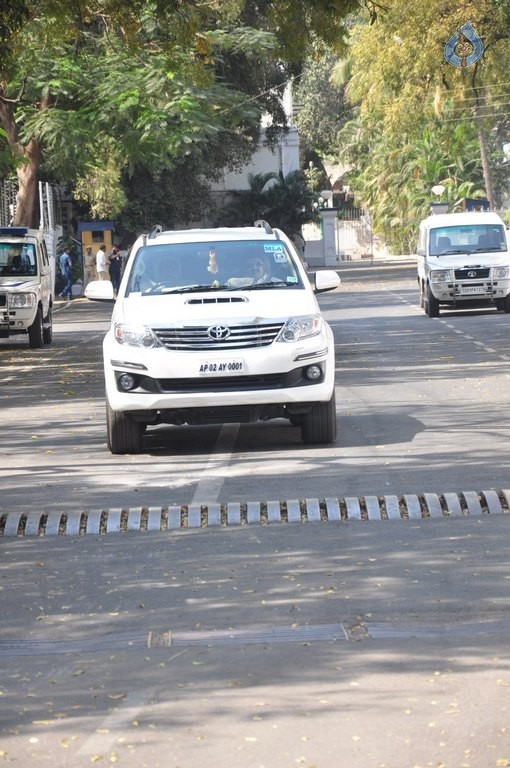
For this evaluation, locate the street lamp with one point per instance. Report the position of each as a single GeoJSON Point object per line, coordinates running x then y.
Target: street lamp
{"type": "Point", "coordinates": [438, 189]}
{"type": "Point", "coordinates": [327, 195]}
{"type": "Point", "coordinates": [438, 207]}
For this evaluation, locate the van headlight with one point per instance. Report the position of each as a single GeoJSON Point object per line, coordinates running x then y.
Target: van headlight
{"type": "Point", "coordinates": [297, 328]}
{"type": "Point", "coordinates": [20, 300]}
{"type": "Point", "coordinates": [500, 273]}
{"type": "Point", "coordinates": [135, 336]}
{"type": "Point", "coordinates": [440, 276]}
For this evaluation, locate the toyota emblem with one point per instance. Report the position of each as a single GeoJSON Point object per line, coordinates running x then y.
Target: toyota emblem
{"type": "Point", "coordinates": [218, 332]}
{"type": "Point", "coordinates": [471, 274]}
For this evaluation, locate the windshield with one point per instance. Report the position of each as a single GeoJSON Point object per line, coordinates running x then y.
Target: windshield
{"type": "Point", "coordinates": [230, 265]}
{"type": "Point", "coordinates": [17, 259]}
{"type": "Point", "coordinates": [470, 238]}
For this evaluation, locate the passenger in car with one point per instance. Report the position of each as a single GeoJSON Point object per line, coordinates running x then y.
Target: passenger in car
{"type": "Point", "coordinates": [259, 271]}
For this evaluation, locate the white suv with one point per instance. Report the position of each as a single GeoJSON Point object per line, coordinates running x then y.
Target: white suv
{"type": "Point", "coordinates": [26, 286]}
{"type": "Point", "coordinates": [213, 326]}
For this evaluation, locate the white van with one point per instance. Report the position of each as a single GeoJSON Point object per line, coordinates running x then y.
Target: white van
{"type": "Point", "coordinates": [26, 286]}
{"type": "Point", "coordinates": [212, 326]}
{"type": "Point", "coordinates": [463, 260]}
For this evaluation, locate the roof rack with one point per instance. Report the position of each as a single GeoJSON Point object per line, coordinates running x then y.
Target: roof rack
{"type": "Point", "coordinates": [265, 226]}
{"type": "Point", "coordinates": [155, 231]}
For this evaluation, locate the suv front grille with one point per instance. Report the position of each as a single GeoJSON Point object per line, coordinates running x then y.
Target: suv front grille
{"type": "Point", "coordinates": [199, 338]}
{"type": "Point", "coordinates": [472, 273]}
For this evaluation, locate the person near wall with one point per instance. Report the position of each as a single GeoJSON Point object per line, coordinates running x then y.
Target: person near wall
{"type": "Point", "coordinates": [115, 260]}
{"type": "Point", "coordinates": [89, 266]}
{"type": "Point", "coordinates": [101, 265]}
{"type": "Point", "coordinates": [66, 271]}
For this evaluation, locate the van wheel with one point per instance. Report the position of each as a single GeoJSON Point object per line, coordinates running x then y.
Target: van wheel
{"type": "Point", "coordinates": [319, 426]}
{"type": "Point", "coordinates": [431, 304]}
{"type": "Point", "coordinates": [124, 434]}
{"type": "Point", "coordinates": [35, 332]}
{"type": "Point", "coordinates": [48, 327]}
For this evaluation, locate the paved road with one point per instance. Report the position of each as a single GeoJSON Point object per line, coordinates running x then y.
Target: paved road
{"type": "Point", "coordinates": [421, 409]}
{"type": "Point", "coordinates": [351, 644]}
{"type": "Point", "coordinates": [338, 645]}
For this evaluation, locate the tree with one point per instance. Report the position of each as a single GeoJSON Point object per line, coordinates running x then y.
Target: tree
{"type": "Point", "coordinates": [90, 95]}
{"type": "Point", "coordinates": [287, 203]}
{"type": "Point", "coordinates": [420, 120]}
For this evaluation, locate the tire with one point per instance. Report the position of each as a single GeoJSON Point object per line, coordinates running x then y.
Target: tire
{"type": "Point", "coordinates": [124, 434]}
{"type": "Point", "coordinates": [432, 304]}
{"type": "Point", "coordinates": [422, 297]}
{"type": "Point", "coordinates": [506, 304]}
{"type": "Point", "coordinates": [35, 332]}
{"type": "Point", "coordinates": [319, 426]}
{"type": "Point", "coordinates": [48, 327]}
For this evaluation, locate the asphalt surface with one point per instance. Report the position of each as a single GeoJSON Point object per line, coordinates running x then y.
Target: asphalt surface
{"type": "Point", "coordinates": [352, 644]}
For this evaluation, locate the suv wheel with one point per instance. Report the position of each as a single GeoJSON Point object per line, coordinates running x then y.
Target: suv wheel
{"type": "Point", "coordinates": [431, 304]}
{"type": "Point", "coordinates": [35, 332]}
{"type": "Point", "coordinates": [48, 327]}
{"type": "Point", "coordinates": [319, 426]}
{"type": "Point", "coordinates": [124, 434]}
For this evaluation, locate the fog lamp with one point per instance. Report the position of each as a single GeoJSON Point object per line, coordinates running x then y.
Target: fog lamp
{"type": "Point", "coordinates": [313, 372]}
{"type": "Point", "coordinates": [127, 381]}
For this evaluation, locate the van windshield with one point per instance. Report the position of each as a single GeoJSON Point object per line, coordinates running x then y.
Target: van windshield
{"type": "Point", "coordinates": [17, 260]}
{"type": "Point", "coordinates": [202, 266]}
{"type": "Point", "coordinates": [471, 238]}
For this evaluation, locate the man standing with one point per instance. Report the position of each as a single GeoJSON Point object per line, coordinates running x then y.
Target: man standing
{"type": "Point", "coordinates": [102, 269]}
{"type": "Point", "coordinates": [115, 269]}
{"type": "Point", "coordinates": [89, 266]}
{"type": "Point", "coordinates": [66, 270]}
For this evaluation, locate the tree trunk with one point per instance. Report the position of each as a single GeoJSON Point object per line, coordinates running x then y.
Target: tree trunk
{"type": "Point", "coordinates": [28, 172]}
{"type": "Point", "coordinates": [484, 155]}
{"type": "Point", "coordinates": [28, 160]}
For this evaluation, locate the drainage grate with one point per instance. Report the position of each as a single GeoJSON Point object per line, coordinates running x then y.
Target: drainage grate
{"type": "Point", "coordinates": [406, 507]}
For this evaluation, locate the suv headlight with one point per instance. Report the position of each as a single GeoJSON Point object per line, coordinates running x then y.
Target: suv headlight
{"type": "Point", "coordinates": [297, 328]}
{"type": "Point", "coordinates": [500, 273]}
{"type": "Point", "coordinates": [135, 336]}
{"type": "Point", "coordinates": [440, 276]}
{"type": "Point", "coordinates": [19, 300]}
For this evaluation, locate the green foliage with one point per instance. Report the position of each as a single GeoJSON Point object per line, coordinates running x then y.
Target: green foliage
{"type": "Point", "coordinates": [287, 203]}
{"type": "Point", "coordinates": [416, 124]}
{"type": "Point", "coordinates": [97, 91]}
{"type": "Point", "coordinates": [323, 108]}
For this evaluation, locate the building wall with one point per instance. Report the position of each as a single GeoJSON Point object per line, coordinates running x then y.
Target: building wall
{"type": "Point", "coordinates": [284, 158]}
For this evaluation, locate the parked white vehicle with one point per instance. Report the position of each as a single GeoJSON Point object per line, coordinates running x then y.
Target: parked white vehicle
{"type": "Point", "coordinates": [26, 285]}
{"type": "Point", "coordinates": [213, 326]}
{"type": "Point", "coordinates": [463, 260]}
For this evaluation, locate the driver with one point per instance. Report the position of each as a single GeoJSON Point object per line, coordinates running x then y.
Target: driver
{"type": "Point", "coordinates": [161, 270]}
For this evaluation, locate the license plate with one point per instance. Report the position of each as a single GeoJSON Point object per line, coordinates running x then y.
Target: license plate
{"type": "Point", "coordinates": [473, 290]}
{"type": "Point", "coordinates": [221, 368]}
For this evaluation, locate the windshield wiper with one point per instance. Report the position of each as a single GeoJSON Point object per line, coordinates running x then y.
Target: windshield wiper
{"type": "Point", "coordinates": [453, 251]}
{"type": "Point", "coordinates": [195, 288]}
{"type": "Point", "coordinates": [492, 248]}
{"type": "Point", "coordinates": [258, 286]}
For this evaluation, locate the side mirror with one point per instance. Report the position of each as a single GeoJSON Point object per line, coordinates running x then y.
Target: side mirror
{"type": "Point", "coordinates": [99, 290]}
{"type": "Point", "coordinates": [326, 280]}
{"type": "Point", "coordinates": [420, 251]}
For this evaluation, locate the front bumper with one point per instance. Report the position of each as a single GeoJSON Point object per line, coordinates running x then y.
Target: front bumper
{"type": "Point", "coordinates": [169, 381]}
{"type": "Point", "coordinates": [470, 290]}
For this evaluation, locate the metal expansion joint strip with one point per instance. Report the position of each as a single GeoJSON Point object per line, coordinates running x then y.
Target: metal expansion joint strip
{"type": "Point", "coordinates": [193, 516]}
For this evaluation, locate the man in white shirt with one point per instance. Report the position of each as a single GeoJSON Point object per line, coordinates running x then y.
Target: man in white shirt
{"type": "Point", "coordinates": [102, 269]}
